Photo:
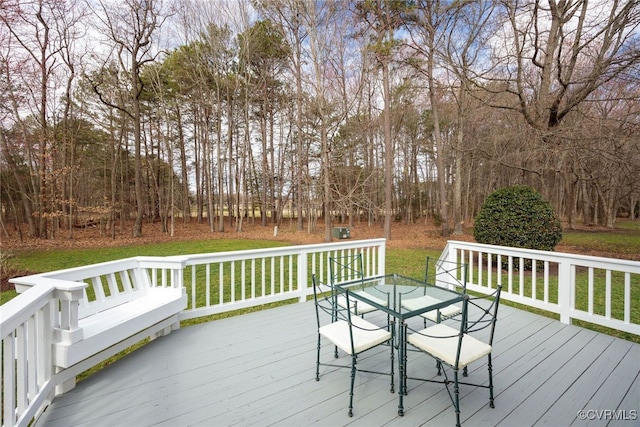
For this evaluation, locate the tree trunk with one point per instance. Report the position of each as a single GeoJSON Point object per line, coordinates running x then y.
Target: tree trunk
{"type": "Point", "coordinates": [388, 150]}
{"type": "Point", "coordinates": [137, 136]}
{"type": "Point", "coordinates": [185, 205]}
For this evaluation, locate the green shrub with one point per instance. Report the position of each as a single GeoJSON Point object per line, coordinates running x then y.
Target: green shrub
{"type": "Point", "coordinates": [519, 217]}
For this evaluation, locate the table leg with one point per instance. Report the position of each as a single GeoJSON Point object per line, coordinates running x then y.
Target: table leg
{"type": "Point", "coordinates": [402, 360]}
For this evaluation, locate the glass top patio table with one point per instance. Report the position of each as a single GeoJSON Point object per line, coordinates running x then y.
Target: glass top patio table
{"type": "Point", "coordinates": [402, 298]}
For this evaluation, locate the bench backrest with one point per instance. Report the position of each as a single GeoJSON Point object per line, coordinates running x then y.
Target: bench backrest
{"type": "Point", "coordinates": [108, 284]}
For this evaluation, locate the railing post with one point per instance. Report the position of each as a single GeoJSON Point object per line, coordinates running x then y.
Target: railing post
{"type": "Point", "coordinates": [566, 286]}
{"type": "Point", "coordinates": [382, 254]}
{"type": "Point", "coordinates": [303, 286]}
{"type": "Point", "coordinates": [69, 295]}
{"type": "Point", "coordinates": [451, 254]}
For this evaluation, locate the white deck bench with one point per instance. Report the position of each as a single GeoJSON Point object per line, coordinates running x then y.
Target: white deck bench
{"type": "Point", "coordinates": [105, 308]}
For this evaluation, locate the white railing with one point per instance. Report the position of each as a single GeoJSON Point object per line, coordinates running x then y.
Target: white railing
{"type": "Point", "coordinates": [224, 281]}
{"type": "Point", "coordinates": [215, 283]}
{"type": "Point", "coordinates": [597, 290]}
{"type": "Point", "coordinates": [27, 379]}
{"type": "Point", "coordinates": [602, 291]}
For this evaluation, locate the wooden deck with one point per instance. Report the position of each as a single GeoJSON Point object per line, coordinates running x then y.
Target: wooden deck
{"type": "Point", "coordinates": [258, 370]}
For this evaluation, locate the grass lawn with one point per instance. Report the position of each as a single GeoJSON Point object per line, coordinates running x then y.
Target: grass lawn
{"type": "Point", "coordinates": [624, 241]}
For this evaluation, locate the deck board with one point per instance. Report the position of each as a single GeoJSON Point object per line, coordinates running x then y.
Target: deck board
{"type": "Point", "coordinates": [258, 369]}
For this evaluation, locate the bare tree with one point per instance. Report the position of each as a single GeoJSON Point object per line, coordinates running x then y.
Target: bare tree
{"type": "Point", "coordinates": [289, 15]}
{"type": "Point", "coordinates": [68, 27]}
{"type": "Point", "coordinates": [381, 19]}
{"type": "Point", "coordinates": [563, 52]}
{"type": "Point", "coordinates": [466, 32]}
{"type": "Point", "coordinates": [37, 40]}
{"type": "Point", "coordinates": [131, 27]}
{"type": "Point", "coordinates": [554, 57]}
{"type": "Point", "coordinates": [317, 20]}
{"type": "Point", "coordinates": [427, 42]}
{"type": "Point", "coordinates": [263, 56]}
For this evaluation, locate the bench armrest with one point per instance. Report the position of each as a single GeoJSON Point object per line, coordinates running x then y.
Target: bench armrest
{"type": "Point", "coordinates": [69, 295]}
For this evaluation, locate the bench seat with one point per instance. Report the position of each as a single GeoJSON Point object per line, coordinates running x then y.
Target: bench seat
{"type": "Point", "coordinates": [147, 312]}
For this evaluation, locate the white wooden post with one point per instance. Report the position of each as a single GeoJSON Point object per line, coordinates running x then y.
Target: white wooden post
{"type": "Point", "coordinates": [69, 294]}
{"type": "Point", "coordinates": [566, 289]}
{"type": "Point", "coordinates": [382, 254]}
{"type": "Point", "coordinates": [303, 273]}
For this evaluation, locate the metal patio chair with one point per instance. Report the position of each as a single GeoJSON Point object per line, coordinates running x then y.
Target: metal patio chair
{"type": "Point", "coordinates": [454, 348]}
{"type": "Point", "coordinates": [351, 334]}
{"type": "Point", "coordinates": [350, 268]}
{"type": "Point", "coordinates": [449, 275]}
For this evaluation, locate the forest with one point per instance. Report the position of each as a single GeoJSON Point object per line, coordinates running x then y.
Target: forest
{"type": "Point", "coordinates": [118, 113]}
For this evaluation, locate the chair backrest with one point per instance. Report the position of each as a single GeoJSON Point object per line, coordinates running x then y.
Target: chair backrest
{"type": "Point", "coordinates": [321, 302]}
{"type": "Point", "coordinates": [325, 303]}
{"type": "Point", "coordinates": [480, 313]}
{"type": "Point", "coordinates": [446, 274]}
{"type": "Point", "coordinates": [324, 298]}
{"type": "Point", "coordinates": [345, 268]}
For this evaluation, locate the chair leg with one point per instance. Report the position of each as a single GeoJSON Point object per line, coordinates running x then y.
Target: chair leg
{"type": "Point", "coordinates": [392, 367]}
{"type": "Point", "coordinates": [456, 396]}
{"type": "Point", "coordinates": [318, 360]}
{"type": "Point", "coordinates": [353, 380]}
{"type": "Point", "coordinates": [490, 382]}
{"type": "Point", "coordinates": [405, 362]}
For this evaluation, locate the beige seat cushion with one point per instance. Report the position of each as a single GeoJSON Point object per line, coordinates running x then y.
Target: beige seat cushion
{"type": "Point", "coordinates": [445, 312]}
{"type": "Point", "coordinates": [445, 347]}
{"type": "Point", "coordinates": [360, 307]}
{"type": "Point", "coordinates": [365, 334]}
